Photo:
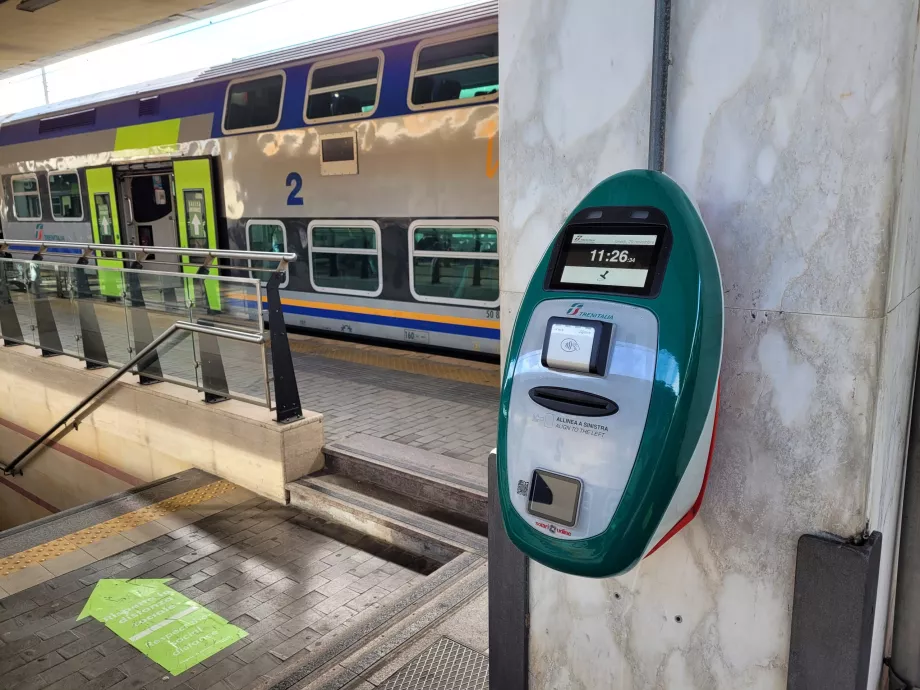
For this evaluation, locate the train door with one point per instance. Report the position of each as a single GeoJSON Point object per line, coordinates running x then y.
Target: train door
{"type": "Point", "coordinates": [100, 187]}
{"type": "Point", "coordinates": [150, 207]}
{"type": "Point", "coordinates": [194, 184]}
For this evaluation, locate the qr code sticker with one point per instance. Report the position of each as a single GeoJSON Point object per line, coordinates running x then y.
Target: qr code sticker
{"type": "Point", "coordinates": [523, 487]}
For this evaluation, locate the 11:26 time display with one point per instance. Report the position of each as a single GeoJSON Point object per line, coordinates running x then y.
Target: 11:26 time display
{"type": "Point", "coordinates": [612, 256]}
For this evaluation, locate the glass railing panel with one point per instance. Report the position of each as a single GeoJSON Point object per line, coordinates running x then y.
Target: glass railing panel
{"type": "Point", "coordinates": [56, 322]}
{"type": "Point", "coordinates": [105, 316]}
{"type": "Point", "coordinates": [17, 320]}
{"type": "Point", "coordinates": [155, 301]}
{"type": "Point", "coordinates": [229, 367]}
{"type": "Point", "coordinates": [226, 302]}
{"type": "Point", "coordinates": [232, 368]}
{"type": "Point", "coordinates": [100, 311]}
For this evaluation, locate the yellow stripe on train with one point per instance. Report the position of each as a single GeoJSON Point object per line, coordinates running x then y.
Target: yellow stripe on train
{"type": "Point", "coordinates": [392, 313]}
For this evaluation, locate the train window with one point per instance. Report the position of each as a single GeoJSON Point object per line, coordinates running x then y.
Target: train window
{"type": "Point", "coordinates": [66, 201]}
{"type": "Point", "coordinates": [345, 257]}
{"type": "Point", "coordinates": [27, 204]}
{"type": "Point", "coordinates": [343, 89]}
{"type": "Point", "coordinates": [454, 262]}
{"type": "Point", "coordinates": [338, 154]}
{"type": "Point", "coordinates": [266, 236]}
{"type": "Point", "coordinates": [446, 72]}
{"type": "Point", "coordinates": [254, 104]}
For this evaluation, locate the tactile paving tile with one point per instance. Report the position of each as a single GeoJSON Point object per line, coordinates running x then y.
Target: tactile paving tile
{"type": "Point", "coordinates": [122, 523]}
{"type": "Point", "coordinates": [445, 665]}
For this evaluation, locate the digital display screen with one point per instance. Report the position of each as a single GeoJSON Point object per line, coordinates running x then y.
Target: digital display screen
{"type": "Point", "coordinates": [554, 497]}
{"type": "Point", "coordinates": [609, 258]}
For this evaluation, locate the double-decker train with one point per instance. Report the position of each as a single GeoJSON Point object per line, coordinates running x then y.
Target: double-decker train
{"type": "Point", "coordinates": [372, 155]}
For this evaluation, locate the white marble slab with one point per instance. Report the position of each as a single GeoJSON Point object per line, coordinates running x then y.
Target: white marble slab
{"type": "Point", "coordinates": [574, 110]}
{"type": "Point", "coordinates": [794, 434]}
{"type": "Point", "coordinates": [786, 123]}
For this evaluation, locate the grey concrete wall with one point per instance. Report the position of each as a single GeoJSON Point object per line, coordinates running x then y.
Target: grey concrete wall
{"type": "Point", "coordinates": [150, 432]}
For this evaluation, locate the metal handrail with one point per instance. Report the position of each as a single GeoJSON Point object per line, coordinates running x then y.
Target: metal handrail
{"type": "Point", "coordinates": [11, 245]}
{"type": "Point", "coordinates": [183, 326]}
{"type": "Point", "coordinates": [287, 396]}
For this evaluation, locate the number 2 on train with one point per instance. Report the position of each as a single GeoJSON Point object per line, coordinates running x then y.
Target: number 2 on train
{"type": "Point", "coordinates": [295, 182]}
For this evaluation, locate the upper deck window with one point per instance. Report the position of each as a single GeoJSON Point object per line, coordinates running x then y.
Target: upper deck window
{"type": "Point", "coordinates": [254, 104]}
{"type": "Point", "coordinates": [343, 89]}
{"type": "Point", "coordinates": [446, 72]}
{"type": "Point", "coordinates": [66, 201]}
{"type": "Point", "coordinates": [26, 202]}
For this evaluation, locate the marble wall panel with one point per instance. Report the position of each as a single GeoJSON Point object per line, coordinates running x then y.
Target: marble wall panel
{"type": "Point", "coordinates": [787, 124]}
{"type": "Point", "coordinates": [711, 609]}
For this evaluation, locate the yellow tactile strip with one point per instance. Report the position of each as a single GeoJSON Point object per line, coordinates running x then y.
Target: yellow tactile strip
{"type": "Point", "coordinates": [436, 367]}
{"type": "Point", "coordinates": [122, 523]}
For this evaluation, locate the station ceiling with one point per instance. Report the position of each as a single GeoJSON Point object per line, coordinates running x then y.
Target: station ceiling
{"type": "Point", "coordinates": [36, 32]}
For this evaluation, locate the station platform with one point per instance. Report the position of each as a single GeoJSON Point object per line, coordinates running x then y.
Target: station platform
{"type": "Point", "coordinates": [366, 569]}
{"type": "Point", "coordinates": [440, 404]}
{"type": "Point", "coordinates": [311, 603]}
{"type": "Point", "coordinates": [443, 404]}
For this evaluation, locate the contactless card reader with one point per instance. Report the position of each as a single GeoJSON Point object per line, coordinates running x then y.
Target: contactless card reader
{"type": "Point", "coordinates": [610, 389]}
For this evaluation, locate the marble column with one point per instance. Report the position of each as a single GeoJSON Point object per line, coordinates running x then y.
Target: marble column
{"type": "Point", "coordinates": [787, 123]}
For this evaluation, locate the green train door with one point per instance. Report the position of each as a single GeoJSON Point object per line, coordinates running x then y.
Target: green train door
{"type": "Point", "coordinates": [100, 185]}
{"type": "Point", "coordinates": [197, 217]}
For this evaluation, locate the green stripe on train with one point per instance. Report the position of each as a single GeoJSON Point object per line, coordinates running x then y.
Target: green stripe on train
{"type": "Point", "coordinates": [148, 135]}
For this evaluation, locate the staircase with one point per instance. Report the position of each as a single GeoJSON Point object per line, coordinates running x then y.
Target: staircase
{"type": "Point", "coordinates": [425, 503]}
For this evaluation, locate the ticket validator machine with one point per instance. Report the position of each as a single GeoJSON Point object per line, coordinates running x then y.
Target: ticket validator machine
{"type": "Point", "coordinates": [609, 396]}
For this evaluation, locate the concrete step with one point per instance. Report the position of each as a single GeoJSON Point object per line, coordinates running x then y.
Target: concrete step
{"type": "Point", "coordinates": [360, 507]}
{"type": "Point", "coordinates": [453, 485]}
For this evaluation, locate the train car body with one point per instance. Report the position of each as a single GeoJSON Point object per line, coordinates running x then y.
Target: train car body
{"type": "Point", "coordinates": [372, 155]}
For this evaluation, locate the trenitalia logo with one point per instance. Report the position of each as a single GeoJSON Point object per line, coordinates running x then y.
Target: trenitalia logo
{"type": "Point", "coordinates": [40, 233]}
{"type": "Point", "coordinates": [576, 310]}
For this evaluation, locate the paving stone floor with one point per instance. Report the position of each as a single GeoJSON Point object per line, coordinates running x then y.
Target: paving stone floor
{"type": "Point", "coordinates": [284, 578]}
{"type": "Point", "coordinates": [446, 417]}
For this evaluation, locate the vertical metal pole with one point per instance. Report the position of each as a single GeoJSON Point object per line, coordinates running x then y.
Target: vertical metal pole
{"type": "Point", "coordinates": [48, 337]}
{"type": "Point", "coordinates": [261, 322]}
{"type": "Point", "coordinates": [509, 599]}
{"type": "Point", "coordinates": [94, 353]}
{"type": "Point", "coordinates": [9, 320]}
{"type": "Point", "coordinates": [661, 59]}
{"type": "Point", "coordinates": [904, 663]}
{"type": "Point", "coordinates": [45, 86]}
{"type": "Point", "coordinates": [287, 397]}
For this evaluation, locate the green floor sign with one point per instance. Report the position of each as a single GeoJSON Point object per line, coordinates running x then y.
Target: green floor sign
{"type": "Point", "coordinates": [163, 624]}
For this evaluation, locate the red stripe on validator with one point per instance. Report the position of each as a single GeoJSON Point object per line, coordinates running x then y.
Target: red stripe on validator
{"type": "Point", "coordinates": [76, 455]}
{"type": "Point", "coordinates": [685, 520]}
